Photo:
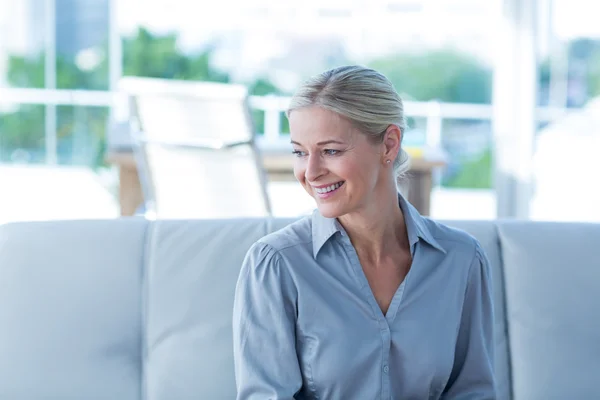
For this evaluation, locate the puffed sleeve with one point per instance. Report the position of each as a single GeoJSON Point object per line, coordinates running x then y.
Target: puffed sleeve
{"type": "Point", "coordinates": [472, 376]}
{"type": "Point", "coordinates": [264, 338]}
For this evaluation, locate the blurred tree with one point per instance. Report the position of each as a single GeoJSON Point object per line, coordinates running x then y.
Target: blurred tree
{"type": "Point", "coordinates": [26, 72]}
{"type": "Point", "coordinates": [24, 127]}
{"type": "Point", "coordinates": [144, 54]}
{"type": "Point", "coordinates": [264, 87]}
{"type": "Point", "coordinates": [443, 75]}
{"type": "Point", "coordinates": [587, 52]}
{"type": "Point", "coordinates": [29, 73]}
{"type": "Point", "coordinates": [474, 174]}
{"type": "Point", "coordinates": [583, 72]}
{"type": "Point", "coordinates": [156, 56]}
{"type": "Point", "coordinates": [544, 73]}
{"type": "Point", "coordinates": [594, 75]}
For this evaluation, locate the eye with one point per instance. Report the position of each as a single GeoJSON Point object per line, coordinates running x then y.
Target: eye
{"type": "Point", "coordinates": [298, 153]}
{"type": "Point", "coordinates": [331, 152]}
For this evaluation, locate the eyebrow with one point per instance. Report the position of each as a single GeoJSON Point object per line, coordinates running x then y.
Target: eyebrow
{"type": "Point", "coordinates": [323, 143]}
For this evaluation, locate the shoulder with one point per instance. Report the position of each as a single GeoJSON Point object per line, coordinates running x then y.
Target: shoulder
{"type": "Point", "coordinates": [454, 240]}
{"type": "Point", "coordinates": [464, 248]}
{"type": "Point", "coordinates": [467, 262]}
{"type": "Point", "coordinates": [296, 234]}
{"type": "Point", "coordinates": [293, 238]}
{"type": "Point", "coordinates": [270, 261]}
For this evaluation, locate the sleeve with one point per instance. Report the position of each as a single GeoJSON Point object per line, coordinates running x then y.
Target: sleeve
{"type": "Point", "coordinates": [264, 320]}
{"type": "Point", "coordinates": [472, 376]}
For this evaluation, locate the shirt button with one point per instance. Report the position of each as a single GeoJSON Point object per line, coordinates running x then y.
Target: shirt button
{"type": "Point", "coordinates": [386, 369]}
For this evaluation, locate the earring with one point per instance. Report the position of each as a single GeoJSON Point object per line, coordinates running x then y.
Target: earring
{"type": "Point", "coordinates": [388, 161]}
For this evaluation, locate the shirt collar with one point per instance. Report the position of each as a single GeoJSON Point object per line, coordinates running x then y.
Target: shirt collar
{"type": "Point", "coordinates": [324, 228]}
{"type": "Point", "coordinates": [417, 226]}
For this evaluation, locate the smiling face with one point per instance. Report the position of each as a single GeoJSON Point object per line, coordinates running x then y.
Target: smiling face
{"type": "Point", "coordinates": [336, 164]}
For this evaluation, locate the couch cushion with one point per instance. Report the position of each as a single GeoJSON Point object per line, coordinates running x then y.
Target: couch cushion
{"type": "Point", "coordinates": [552, 283]}
{"type": "Point", "coordinates": [193, 268]}
{"type": "Point", "coordinates": [487, 235]}
{"type": "Point", "coordinates": [70, 310]}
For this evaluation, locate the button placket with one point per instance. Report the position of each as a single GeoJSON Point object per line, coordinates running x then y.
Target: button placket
{"type": "Point", "coordinates": [385, 378]}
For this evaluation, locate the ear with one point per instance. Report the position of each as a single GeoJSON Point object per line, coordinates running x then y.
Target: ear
{"type": "Point", "coordinates": [391, 142]}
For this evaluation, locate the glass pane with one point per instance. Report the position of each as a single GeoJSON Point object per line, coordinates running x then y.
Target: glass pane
{"type": "Point", "coordinates": [22, 56]}
{"type": "Point", "coordinates": [82, 44]}
{"type": "Point", "coordinates": [469, 145]}
{"type": "Point", "coordinates": [414, 136]}
{"type": "Point", "coordinates": [444, 74]}
{"type": "Point", "coordinates": [285, 124]}
{"type": "Point", "coordinates": [258, 120]}
{"type": "Point", "coordinates": [22, 137]}
{"type": "Point", "coordinates": [81, 135]}
{"type": "Point", "coordinates": [34, 190]}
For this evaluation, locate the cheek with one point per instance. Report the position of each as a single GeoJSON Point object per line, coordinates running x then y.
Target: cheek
{"type": "Point", "coordinates": [362, 171]}
{"type": "Point", "coordinates": [299, 171]}
{"type": "Point", "coordinates": [350, 169]}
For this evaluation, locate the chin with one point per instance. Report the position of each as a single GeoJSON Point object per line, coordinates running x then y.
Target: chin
{"type": "Point", "coordinates": [330, 211]}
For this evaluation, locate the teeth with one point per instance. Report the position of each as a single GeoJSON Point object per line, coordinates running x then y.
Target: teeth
{"type": "Point", "coordinates": [328, 188]}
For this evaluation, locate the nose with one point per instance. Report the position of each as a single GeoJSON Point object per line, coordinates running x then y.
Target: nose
{"type": "Point", "coordinates": [314, 168]}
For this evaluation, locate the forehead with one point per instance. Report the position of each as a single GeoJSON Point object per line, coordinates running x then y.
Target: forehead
{"type": "Point", "coordinates": [315, 124]}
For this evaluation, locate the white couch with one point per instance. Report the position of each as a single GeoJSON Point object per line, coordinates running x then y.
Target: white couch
{"type": "Point", "coordinates": [130, 309]}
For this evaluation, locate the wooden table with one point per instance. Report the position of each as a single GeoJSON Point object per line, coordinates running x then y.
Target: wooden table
{"type": "Point", "coordinates": [417, 187]}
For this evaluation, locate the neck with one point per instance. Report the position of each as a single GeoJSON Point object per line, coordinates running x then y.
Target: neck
{"type": "Point", "coordinates": [379, 229]}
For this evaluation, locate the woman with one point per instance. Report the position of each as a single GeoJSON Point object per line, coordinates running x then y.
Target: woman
{"type": "Point", "coordinates": [365, 299]}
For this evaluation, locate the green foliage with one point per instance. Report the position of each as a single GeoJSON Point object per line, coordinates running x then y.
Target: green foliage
{"type": "Point", "coordinates": [442, 75]}
{"type": "Point", "coordinates": [24, 72]}
{"type": "Point", "coordinates": [544, 73]}
{"type": "Point", "coordinates": [81, 135]}
{"type": "Point", "coordinates": [29, 73]}
{"type": "Point", "coordinates": [583, 65]}
{"type": "Point", "coordinates": [594, 75]}
{"type": "Point", "coordinates": [475, 174]}
{"type": "Point", "coordinates": [261, 87]}
{"type": "Point", "coordinates": [24, 127]}
{"type": "Point", "coordinates": [588, 51]}
{"type": "Point", "coordinates": [144, 54]}
{"type": "Point", "coordinates": [155, 56]}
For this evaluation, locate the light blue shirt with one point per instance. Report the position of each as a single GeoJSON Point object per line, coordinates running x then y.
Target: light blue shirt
{"type": "Point", "coordinates": [306, 324]}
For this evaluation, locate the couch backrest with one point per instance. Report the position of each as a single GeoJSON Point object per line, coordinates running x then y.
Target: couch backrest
{"type": "Point", "coordinates": [135, 310]}
{"type": "Point", "coordinates": [192, 272]}
{"type": "Point", "coordinates": [486, 233]}
{"type": "Point", "coordinates": [70, 310]}
{"type": "Point", "coordinates": [552, 286]}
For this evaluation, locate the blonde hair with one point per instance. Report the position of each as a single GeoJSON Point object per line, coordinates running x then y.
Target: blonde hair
{"type": "Point", "coordinates": [363, 96]}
